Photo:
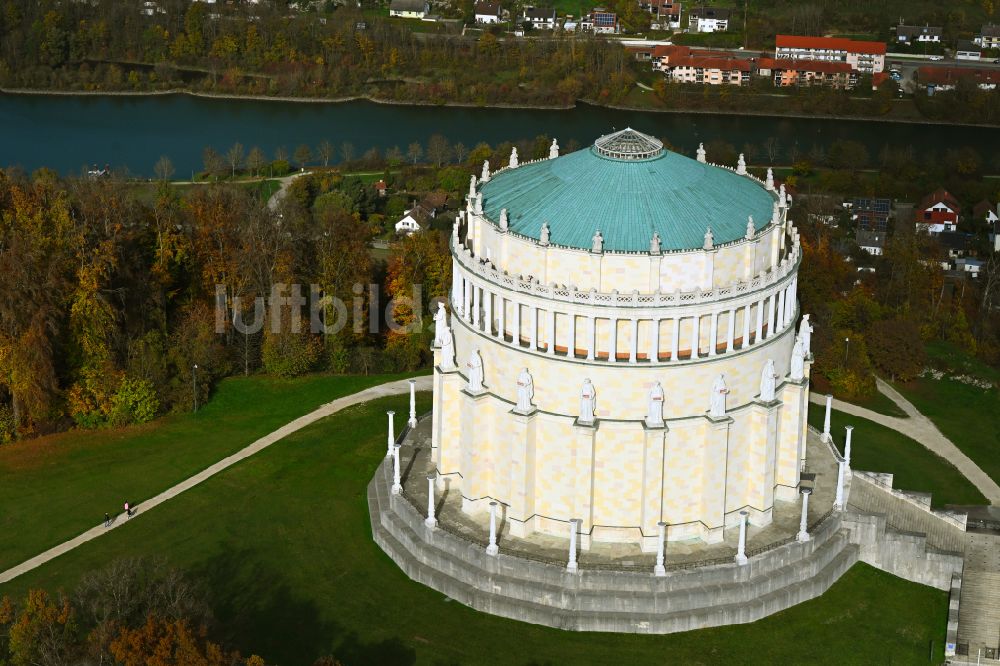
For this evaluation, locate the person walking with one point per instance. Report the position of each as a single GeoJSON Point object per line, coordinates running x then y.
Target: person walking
{"type": "Point", "coordinates": [128, 514]}
{"type": "Point", "coordinates": [107, 519]}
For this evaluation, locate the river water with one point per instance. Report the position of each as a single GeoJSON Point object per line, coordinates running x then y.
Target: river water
{"type": "Point", "coordinates": [68, 132]}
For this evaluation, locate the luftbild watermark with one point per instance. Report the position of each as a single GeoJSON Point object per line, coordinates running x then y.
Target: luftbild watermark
{"type": "Point", "coordinates": [287, 305]}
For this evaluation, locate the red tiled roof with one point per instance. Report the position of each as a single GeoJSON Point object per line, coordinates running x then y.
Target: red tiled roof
{"type": "Point", "coordinates": [711, 63]}
{"type": "Point", "coordinates": [670, 51]}
{"type": "Point", "coordinates": [951, 75]}
{"type": "Point", "coordinates": [830, 43]}
{"type": "Point", "coordinates": [824, 66]}
{"type": "Point", "coordinates": [939, 195]}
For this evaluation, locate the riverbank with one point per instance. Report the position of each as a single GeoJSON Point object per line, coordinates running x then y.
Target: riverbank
{"type": "Point", "coordinates": [469, 105]}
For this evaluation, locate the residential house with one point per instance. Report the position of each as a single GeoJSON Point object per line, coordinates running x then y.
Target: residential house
{"type": "Point", "coordinates": [985, 211]}
{"type": "Point", "coordinates": [970, 266]}
{"type": "Point", "coordinates": [871, 213]}
{"type": "Point", "coordinates": [787, 72]}
{"type": "Point", "coordinates": [938, 79]}
{"type": "Point", "coordinates": [604, 22]}
{"type": "Point", "coordinates": [708, 19]}
{"type": "Point", "coordinates": [937, 212]}
{"type": "Point", "coordinates": [488, 12]}
{"type": "Point", "coordinates": [409, 8]}
{"type": "Point", "coordinates": [540, 18]}
{"type": "Point", "coordinates": [666, 14]}
{"type": "Point", "coordinates": [966, 49]}
{"type": "Point", "coordinates": [709, 70]}
{"type": "Point", "coordinates": [432, 204]}
{"type": "Point", "coordinates": [956, 244]}
{"type": "Point", "coordinates": [864, 57]}
{"type": "Point", "coordinates": [408, 225]}
{"type": "Point", "coordinates": [872, 242]}
{"type": "Point", "coordinates": [989, 36]}
{"type": "Point", "coordinates": [380, 187]}
{"type": "Point", "coordinates": [918, 34]}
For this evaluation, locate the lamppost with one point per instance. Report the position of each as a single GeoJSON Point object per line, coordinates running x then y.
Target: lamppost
{"type": "Point", "coordinates": [847, 348]}
{"type": "Point", "coordinates": [194, 385]}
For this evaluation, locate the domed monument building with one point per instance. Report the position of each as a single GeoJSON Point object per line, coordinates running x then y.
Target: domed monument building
{"type": "Point", "coordinates": [618, 437]}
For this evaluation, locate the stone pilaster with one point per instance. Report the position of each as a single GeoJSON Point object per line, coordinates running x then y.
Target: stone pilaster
{"type": "Point", "coordinates": [713, 481]}
{"type": "Point", "coordinates": [764, 435]}
{"type": "Point", "coordinates": [792, 440]}
{"type": "Point", "coordinates": [652, 483]}
{"type": "Point", "coordinates": [475, 433]}
{"type": "Point", "coordinates": [521, 436]}
{"type": "Point", "coordinates": [582, 451]}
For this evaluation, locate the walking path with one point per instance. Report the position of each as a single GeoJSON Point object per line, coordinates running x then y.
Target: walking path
{"type": "Point", "coordinates": [918, 427]}
{"type": "Point", "coordinates": [380, 391]}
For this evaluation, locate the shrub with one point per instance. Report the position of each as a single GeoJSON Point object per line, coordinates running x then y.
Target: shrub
{"type": "Point", "coordinates": [8, 431]}
{"type": "Point", "coordinates": [135, 402]}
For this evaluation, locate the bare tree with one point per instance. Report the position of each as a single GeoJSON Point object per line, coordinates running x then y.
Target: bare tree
{"type": "Point", "coordinates": [325, 152]}
{"type": "Point", "coordinates": [438, 149]}
{"type": "Point", "coordinates": [281, 154]}
{"type": "Point", "coordinates": [256, 160]}
{"type": "Point", "coordinates": [990, 285]}
{"type": "Point", "coordinates": [771, 147]}
{"type": "Point", "coordinates": [235, 157]}
{"type": "Point", "coordinates": [394, 155]}
{"type": "Point", "coordinates": [212, 161]}
{"type": "Point", "coordinates": [461, 152]}
{"type": "Point", "coordinates": [414, 151]}
{"type": "Point", "coordinates": [303, 155]}
{"type": "Point", "coordinates": [163, 168]}
{"type": "Point", "coordinates": [347, 151]}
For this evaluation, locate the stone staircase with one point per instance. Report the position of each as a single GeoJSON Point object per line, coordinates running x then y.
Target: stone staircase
{"type": "Point", "coordinates": [600, 600]}
{"type": "Point", "coordinates": [979, 610]}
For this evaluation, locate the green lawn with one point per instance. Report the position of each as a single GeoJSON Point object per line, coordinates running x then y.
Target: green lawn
{"type": "Point", "coordinates": [875, 448]}
{"type": "Point", "coordinates": [283, 544]}
{"type": "Point", "coordinates": [53, 488]}
{"type": "Point", "coordinates": [878, 402]}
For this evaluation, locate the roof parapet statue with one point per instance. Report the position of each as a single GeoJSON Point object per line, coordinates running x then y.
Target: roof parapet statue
{"type": "Point", "coordinates": [775, 214]}
{"type": "Point", "coordinates": [472, 186]}
{"type": "Point", "coordinates": [781, 196]}
{"type": "Point", "coordinates": [486, 172]}
{"type": "Point", "coordinates": [513, 157]}
{"type": "Point", "coordinates": [503, 219]}
{"type": "Point", "coordinates": [751, 229]}
{"type": "Point", "coordinates": [741, 166]}
{"type": "Point", "coordinates": [597, 242]}
{"type": "Point", "coordinates": [654, 244]}
{"type": "Point", "coordinates": [543, 236]}
{"type": "Point", "coordinates": [701, 153]}
{"type": "Point", "coordinates": [479, 203]}
{"type": "Point", "coordinates": [709, 239]}
{"type": "Point", "coordinates": [769, 183]}
{"type": "Point", "coordinates": [554, 150]}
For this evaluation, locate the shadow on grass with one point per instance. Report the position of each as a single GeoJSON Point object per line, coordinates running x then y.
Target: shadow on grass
{"type": "Point", "coordinates": [256, 608]}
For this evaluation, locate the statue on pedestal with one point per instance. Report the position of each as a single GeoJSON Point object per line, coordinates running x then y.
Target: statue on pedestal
{"type": "Point", "coordinates": [479, 203]}
{"type": "Point", "coordinates": [475, 372]}
{"type": "Point", "coordinates": [447, 349]}
{"type": "Point", "coordinates": [597, 243]}
{"type": "Point", "coordinates": [525, 391]}
{"type": "Point", "coordinates": [741, 166]}
{"type": "Point", "coordinates": [798, 369]}
{"type": "Point", "coordinates": [654, 408]}
{"type": "Point", "coordinates": [588, 400]}
{"type": "Point", "coordinates": [486, 171]}
{"type": "Point", "coordinates": [781, 196]}
{"type": "Point", "coordinates": [751, 229]}
{"type": "Point", "coordinates": [655, 244]}
{"type": "Point", "coordinates": [769, 183]}
{"type": "Point", "coordinates": [440, 324]}
{"type": "Point", "coordinates": [701, 153]}
{"type": "Point", "coordinates": [553, 150]}
{"type": "Point", "coordinates": [709, 239]}
{"type": "Point", "coordinates": [504, 223]}
{"type": "Point", "coordinates": [472, 186]}
{"type": "Point", "coordinates": [543, 236]}
{"type": "Point", "coordinates": [767, 381]}
{"type": "Point", "coordinates": [718, 400]}
{"type": "Point", "coordinates": [805, 333]}
{"type": "Point", "coordinates": [513, 158]}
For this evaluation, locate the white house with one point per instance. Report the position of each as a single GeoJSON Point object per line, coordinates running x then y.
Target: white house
{"type": "Point", "coordinates": [967, 50]}
{"type": "Point", "coordinates": [540, 18]}
{"type": "Point", "coordinates": [872, 242]}
{"type": "Point", "coordinates": [970, 266]}
{"type": "Point", "coordinates": [408, 225]}
{"type": "Point", "coordinates": [409, 8]}
{"type": "Point", "coordinates": [918, 34]}
{"type": "Point", "coordinates": [708, 19]}
{"type": "Point", "coordinates": [488, 12]}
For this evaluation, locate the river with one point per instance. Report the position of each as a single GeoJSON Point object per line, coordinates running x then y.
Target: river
{"type": "Point", "coordinates": [131, 132]}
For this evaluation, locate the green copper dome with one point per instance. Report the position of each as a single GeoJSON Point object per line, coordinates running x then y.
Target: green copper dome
{"type": "Point", "coordinates": [628, 186]}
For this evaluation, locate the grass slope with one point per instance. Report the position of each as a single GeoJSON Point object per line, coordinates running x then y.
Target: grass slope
{"type": "Point", "coordinates": [53, 488]}
{"type": "Point", "coordinates": [875, 448]}
{"type": "Point", "coordinates": [283, 543]}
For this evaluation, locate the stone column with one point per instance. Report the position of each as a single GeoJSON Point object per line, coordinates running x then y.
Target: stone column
{"type": "Point", "coordinates": [731, 330]}
{"type": "Point", "coordinates": [476, 307]}
{"type": "Point", "coordinates": [430, 521]}
{"type": "Point", "coordinates": [847, 446]}
{"type": "Point", "coordinates": [770, 315]}
{"type": "Point", "coordinates": [533, 333]}
{"type": "Point", "coordinates": [551, 348]}
{"type": "Point", "coordinates": [675, 339]}
{"type": "Point", "coordinates": [789, 302]}
{"type": "Point", "coordinates": [391, 437]}
{"type": "Point", "coordinates": [633, 347]}
{"type": "Point", "coordinates": [713, 334]}
{"type": "Point", "coordinates": [571, 345]}
{"type": "Point", "coordinates": [759, 330]}
{"type": "Point", "coordinates": [803, 534]}
{"type": "Point", "coordinates": [780, 319]}
{"type": "Point", "coordinates": [413, 404]}
{"type": "Point", "coordinates": [456, 284]}
{"type": "Point", "coordinates": [659, 569]}
{"type": "Point", "coordinates": [517, 323]}
{"type": "Point", "coordinates": [571, 564]}
{"type": "Point", "coordinates": [467, 300]}
{"type": "Point", "coordinates": [488, 311]}
{"type": "Point", "coordinates": [397, 486]}
{"type": "Point", "coordinates": [493, 549]}
{"type": "Point", "coordinates": [741, 547]}
{"type": "Point", "coordinates": [695, 341]}
{"type": "Point", "coordinates": [826, 418]}
{"type": "Point", "coordinates": [838, 503]}
{"type": "Point", "coordinates": [591, 337]}
{"type": "Point", "coordinates": [501, 317]}
{"type": "Point", "coordinates": [746, 327]}
{"type": "Point", "coordinates": [613, 341]}
{"type": "Point", "coordinates": [654, 340]}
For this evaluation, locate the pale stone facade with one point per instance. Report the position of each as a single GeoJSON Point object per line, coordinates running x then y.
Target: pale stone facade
{"type": "Point", "coordinates": [623, 321]}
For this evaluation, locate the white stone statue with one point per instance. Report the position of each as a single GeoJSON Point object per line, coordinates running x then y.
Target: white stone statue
{"type": "Point", "coordinates": [553, 150]}
{"type": "Point", "coordinates": [597, 243]}
{"type": "Point", "coordinates": [798, 369]}
{"type": "Point", "coordinates": [654, 244]}
{"type": "Point", "coordinates": [654, 409]}
{"type": "Point", "coordinates": [781, 196]}
{"type": "Point", "coordinates": [769, 183]}
{"type": "Point", "coordinates": [475, 372]}
{"type": "Point", "coordinates": [767, 381]}
{"type": "Point", "coordinates": [775, 214]}
{"type": "Point", "coordinates": [504, 223]}
{"type": "Point", "coordinates": [479, 203]}
{"type": "Point", "coordinates": [486, 171]}
{"type": "Point", "coordinates": [701, 153]}
{"type": "Point", "coordinates": [741, 166]}
{"type": "Point", "coordinates": [805, 333]}
{"type": "Point", "coordinates": [525, 391]}
{"type": "Point", "coordinates": [709, 239]}
{"type": "Point", "coordinates": [447, 349]}
{"type": "Point", "coordinates": [513, 157]}
{"type": "Point", "coordinates": [588, 401]}
{"type": "Point", "coordinates": [718, 401]}
{"type": "Point", "coordinates": [543, 236]}
{"type": "Point", "coordinates": [472, 186]}
{"type": "Point", "coordinates": [751, 229]}
{"type": "Point", "coordinates": [440, 324]}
